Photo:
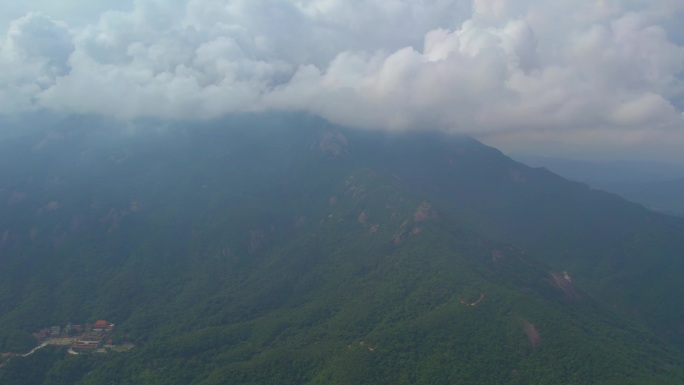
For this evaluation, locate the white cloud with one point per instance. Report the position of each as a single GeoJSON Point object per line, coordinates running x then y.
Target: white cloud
{"type": "Point", "coordinates": [33, 55]}
{"type": "Point", "coordinates": [570, 68]}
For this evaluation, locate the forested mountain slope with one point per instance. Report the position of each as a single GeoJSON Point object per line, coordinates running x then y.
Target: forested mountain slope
{"type": "Point", "coordinates": [285, 250]}
{"type": "Point", "coordinates": [624, 254]}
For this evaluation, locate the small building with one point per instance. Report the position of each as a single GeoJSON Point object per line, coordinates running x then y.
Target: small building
{"type": "Point", "coordinates": [82, 345]}
{"type": "Point", "coordinates": [55, 331]}
{"type": "Point", "coordinates": [42, 334]}
{"type": "Point", "coordinates": [102, 326]}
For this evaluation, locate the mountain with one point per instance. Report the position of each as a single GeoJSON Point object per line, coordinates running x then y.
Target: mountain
{"type": "Point", "coordinates": [658, 186]}
{"type": "Point", "coordinates": [283, 249]}
{"type": "Point", "coordinates": [606, 173]}
{"type": "Point", "coordinates": [663, 196]}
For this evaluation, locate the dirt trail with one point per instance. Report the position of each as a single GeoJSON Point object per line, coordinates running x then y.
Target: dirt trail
{"type": "Point", "coordinates": [532, 334]}
{"type": "Point", "coordinates": [565, 285]}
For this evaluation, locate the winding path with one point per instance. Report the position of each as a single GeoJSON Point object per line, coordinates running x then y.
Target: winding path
{"type": "Point", "coordinates": [44, 344]}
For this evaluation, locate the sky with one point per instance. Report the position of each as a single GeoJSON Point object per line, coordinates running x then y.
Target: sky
{"type": "Point", "coordinates": [578, 78]}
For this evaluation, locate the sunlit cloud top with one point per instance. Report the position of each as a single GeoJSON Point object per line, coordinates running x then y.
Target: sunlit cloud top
{"type": "Point", "coordinates": [577, 71]}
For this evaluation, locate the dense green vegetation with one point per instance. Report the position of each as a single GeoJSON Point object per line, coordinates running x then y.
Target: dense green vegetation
{"type": "Point", "coordinates": [287, 251]}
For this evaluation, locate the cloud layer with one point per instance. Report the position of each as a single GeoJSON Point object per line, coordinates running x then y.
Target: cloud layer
{"type": "Point", "coordinates": [575, 70]}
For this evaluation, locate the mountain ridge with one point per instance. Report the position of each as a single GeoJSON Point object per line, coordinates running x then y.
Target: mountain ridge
{"type": "Point", "coordinates": [293, 251]}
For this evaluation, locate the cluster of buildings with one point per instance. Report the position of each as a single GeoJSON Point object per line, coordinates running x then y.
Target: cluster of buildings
{"type": "Point", "coordinates": [79, 338]}
{"type": "Point", "coordinates": [87, 338]}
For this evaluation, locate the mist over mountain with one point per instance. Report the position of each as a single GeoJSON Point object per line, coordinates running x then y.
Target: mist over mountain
{"type": "Point", "coordinates": [281, 248]}
{"type": "Point", "coordinates": [576, 75]}
{"type": "Point", "coordinates": [214, 192]}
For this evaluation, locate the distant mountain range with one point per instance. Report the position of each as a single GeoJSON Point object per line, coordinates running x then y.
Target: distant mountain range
{"type": "Point", "coordinates": [664, 196]}
{"type": "Point", "coordinates": [657, 185]}
{"type": "Point", "coordinates": [282, 249]}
